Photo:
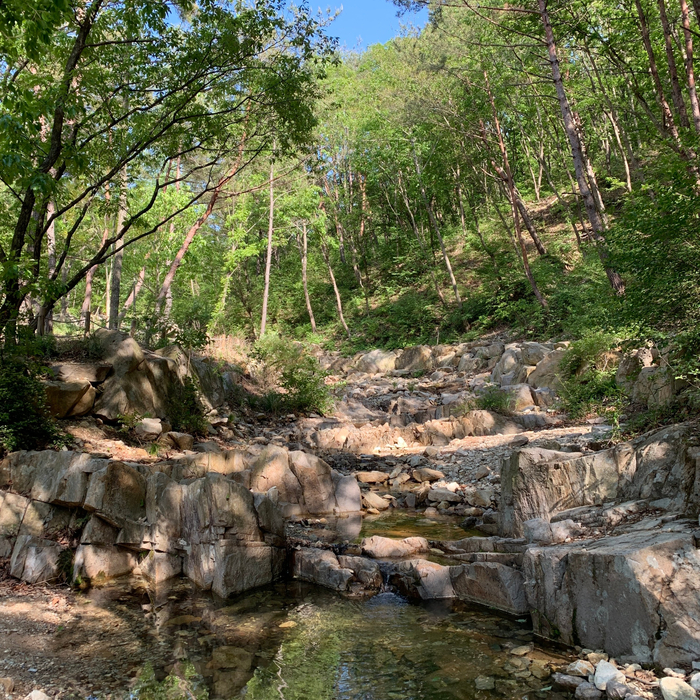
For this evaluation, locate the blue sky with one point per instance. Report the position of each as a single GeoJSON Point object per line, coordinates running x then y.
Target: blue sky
{"type": "Point", "coordinates": [366, 22]}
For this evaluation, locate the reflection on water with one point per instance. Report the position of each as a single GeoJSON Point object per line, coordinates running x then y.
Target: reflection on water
{"type": "Point", "coordinates": [398, 524]}
{"type": "Point", "coordinates": [300, 642]}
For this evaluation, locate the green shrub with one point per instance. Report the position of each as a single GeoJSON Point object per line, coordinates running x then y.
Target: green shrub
{"type": "Point", "coordinates": [588, 378]}
{"type": "Point", "coordinates": [494, 399]}
{"type": "Point", "coordinates": [298, 374]}
{"type": "Point", "coordinates": [25, 423]}
{"type": "Point", "coordinates": [185, 410]}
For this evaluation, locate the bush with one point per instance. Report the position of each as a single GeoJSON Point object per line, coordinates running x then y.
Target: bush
{"type": "Point", "coordinates": [297, 373]}
{"type": "Point", "coordinates": [588, 378]}
{"type": "Point", "coordinates": [25, 423]}
{"type": "Point", "coordinates": [494, 399]}
{"type": "Point", "coordinates": [185, 410]}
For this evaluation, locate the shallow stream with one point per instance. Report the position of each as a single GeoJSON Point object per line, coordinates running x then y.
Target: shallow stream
{"type": "Point", "coordinates": [299, 642]}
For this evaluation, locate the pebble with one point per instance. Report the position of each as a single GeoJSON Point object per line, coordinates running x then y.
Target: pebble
{"type": "Point", "coordinates": [580, 668]}
{"type": "Point", "coordinates": [522, 650]}
{"type": "Point", "coordinates": [484, 683]}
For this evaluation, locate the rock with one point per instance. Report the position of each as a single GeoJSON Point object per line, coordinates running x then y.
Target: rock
{"type": "Point", "coordinates": [61, 397]}
{"type": "Point", "coordinates": [321, 567]}
{"type": "Point", "coordinates": [96, 564]}
{"type": "Point", "coordinates": [580, 668]}
{"type": "Point", "coordinates": [182, 441]}
{"type": "Point", "coordinates": [492, 584]}
{"type": "Point", "coordinates": [618, 586]}
{"type": "Point", "coordinates": [616, 690]}
{"type": "Point", "coordinates": [695, 681]}
{"type": "Point", "coordinates": [385, 548]}
{"type": "Point", "coordinates": [562, 681]}
{"type": "Point", "coordinates": [426, 474]}
{"type": "Point", "coordinates": [118, 493]}
{"type": "Point", "coordinates": [564, 530]}
{"type": "Point", "coordinates": [157, 567]}
{"type": "Point", "coordinates": [656, 386]}
{"type": "Point", "coordinates": [630, 366]}
{"type": "Point", "coordinates": [12, 510]}
{"type": "Point", "coordinates": [120, 351]}
{"type": "Point", "coordinates": [148, 428]}
{"type": "Point", "coordinates": [606, 672]}
{"type": "Point", "coordinates": [438, 495]}
{"type": "Point", "coordinates": [271, 468]}
{"type": "Point", "coordinates": [537, 530]}
{"type": "Point", "coordinates": [468, 363]}
{"type": "Point", "coordinates": [484, 683]}
{"type": "Point", "coordinates": [520, 396]}
{"type": "Point", "coordinates": [546, 374]}
{"type": "Point", "coordinates": [98, 531]}
{"type": "Point", "coordinates": [587, 691]}
{"type": "Point", "coordinates": [374, 500]}
{"type": "Point", "coordinates": [37, 695]}
{"type": "Point", "coordinates": [533, 353]}
{"type": "Point", "coordinates": [487, 423]}
{"type": "Point", "coordinates": [416, 359]}
{"type": "Point", "coordinates": [376, 362]}
{"type": "Point", "coordinates": [314, 477]}
{"type": "Point", "coordinates": [84, 405]}
{"type": "Point", "coordinates": [35, 560]}
{"type": "Point", "coordinates": [371, 477]}
{"type": "Point", "coordinates": [7, 684]}
{"type": "Point", "coordinates": [676, 689]}
{"type": "Point", "coordinates": [537, 483]}
{"type": "Point", "coordinates": [242, 568]}
{"type": "Point", "coordinates": [348, 496]}
{"type": "Point", "coordinates": [79, 372]}
{"type": "Point", "coordinates": [366, 571]}
{"type": "Point", "coordinates": [508, 366]}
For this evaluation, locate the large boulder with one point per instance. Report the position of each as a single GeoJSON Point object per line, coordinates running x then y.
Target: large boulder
{"type": "Point", "coordinates": [636, 595]}
{"type": "Point", "coordinates": [94, 564]}
{"type": "Point", "coordinates": [416, 359]}
{"type": "Point", "coordinates": [538, 483]}
{"type": "Point", "coordinates": [35, 560]}
{"type": "Point", "coordinates": [322, 568]}
{"type": "Point", "coordinates": [79, 372]}
{"type": "Point", "coordinates": [271, 468]}
{"type": "Point", "coordinates": [492, 584]}
{"type": "Point", "coordinates": [655, 386]}
{"type": "Point", "coordinates": [63, 397]}
{"type": "Point", "coordinates": [379, 547]}
{"type": "Point", "coordinates": [508, 366]}
{"type": "Point", "coordinates": [546, 373]}
{"type": "Point", "coordinates": [240, 568]}
{"type": "Point", "coordinates": [376, 362]}
{"type": "Point", "coordinates": [118, 492]}
{"type": "Point", "coordinates": [348, 496]}
{"type": "Point", "coordinates": [316, 481]}
{"type": "Point", "coordinates": [631, 365]}
{"type": "Point", "coordinates": [534, 353]}
{"type": "Point", "coordinates": [420, 579]}
{"type": "Point", "coordinates": [482, 422]}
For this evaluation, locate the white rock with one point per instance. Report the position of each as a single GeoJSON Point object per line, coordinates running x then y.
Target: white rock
{"type": "Point", "coordinates": [695, 681]}
{"type": "Point", "coordinates": [149, 428]}
{"type": "Point", "coordinates": [37, 695]}
{"type": "Point", "coordinates": [676, 689]}
{"type": "Point", "coordinates": [606, 672]}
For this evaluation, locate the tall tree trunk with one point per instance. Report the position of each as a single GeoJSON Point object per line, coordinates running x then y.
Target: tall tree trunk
{"type": "Point", "coordinates": [338, 300]}
{"type": "Point", "coordinates": [436, 228]}
{"type": "Point", "coordinates": [45, 318]}
{"type": "Point", "coordinates": [589, 199]}
{"type": "Point", "coordinates": [268, 258]}
{"type": "Point", "coordinates": [676, 93]}
{"type": "Point", "coordinates": [223, 181]}
{"type": "Point", "coordinates": [689, 69]}
{"type": "Point", "coordinates": [304, 252]}
{"type": "Point", "coordinates": [513, 196]}
{"type": "Point", "coordinates": [421, 241]}
{"type": "Point", "coordinates": [117, 260]}
{"type": "Point", "coordinates": [86, 310]}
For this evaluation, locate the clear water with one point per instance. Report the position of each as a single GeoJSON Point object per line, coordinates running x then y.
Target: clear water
{"type": "Point", "coordinates": [398, 524]}
{"type": "Point", "coordinates": [300, 642]}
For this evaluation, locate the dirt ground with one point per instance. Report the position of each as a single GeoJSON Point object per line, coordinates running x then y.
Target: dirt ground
{"type": "Point", "coordinates": [70, 644]}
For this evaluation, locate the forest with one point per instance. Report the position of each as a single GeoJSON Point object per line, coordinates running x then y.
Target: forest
{"type": "Point", "coordinates": [182, 171]}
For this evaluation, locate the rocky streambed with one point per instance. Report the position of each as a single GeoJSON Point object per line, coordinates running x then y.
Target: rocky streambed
{"type": "Point", "coordinates": [338, 556]}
